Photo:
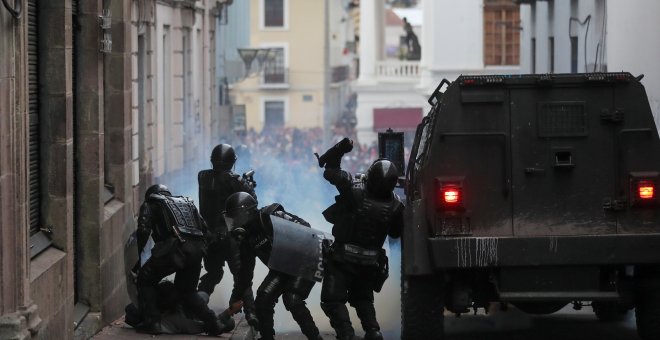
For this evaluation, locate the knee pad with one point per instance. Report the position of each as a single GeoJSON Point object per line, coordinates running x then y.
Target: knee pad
{"type": "Point", "coordinates": [265, 299]}
{"type": "Point", "coordinates": [329, 307]}
{"type": "Point", "coordinates": [292, 300]}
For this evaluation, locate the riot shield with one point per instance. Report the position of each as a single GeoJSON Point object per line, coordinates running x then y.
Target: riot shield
{"type": "Point", "coordinates": [297, 250]}
{"type": "Point", "coordinates": [131, 259]}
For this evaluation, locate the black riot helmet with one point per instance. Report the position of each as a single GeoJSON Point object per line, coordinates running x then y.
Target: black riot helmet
{"type": "Point", "coordinates": [157, 189]}
{"type": "Point", "coordinates": [240, 209]}
{"type": "Point", "coordinates": [382, 177]}
{"type": "Point", "coordinates": [223, 156]}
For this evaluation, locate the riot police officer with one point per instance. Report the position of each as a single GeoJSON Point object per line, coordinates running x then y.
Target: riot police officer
{"type": "Point", "coordinates": [179, 233]}
{"type": "Point", "coordinates": [254, 229]}
{"type": "Point", "coordinates": [365, 213]}
{"type": "Point", "coordinates": [215, 185]}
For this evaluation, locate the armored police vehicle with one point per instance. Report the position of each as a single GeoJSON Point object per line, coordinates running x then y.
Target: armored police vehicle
{"type": "Point", "coordinates": [534, 191]}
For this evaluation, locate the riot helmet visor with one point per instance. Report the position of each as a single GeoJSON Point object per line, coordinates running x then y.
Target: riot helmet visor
{"type": "Point", "coordinates": [382, 177]}
{"type": "Point", "coordinates": [240, 207]}
{"type": "Point", "coordinates": [223, 156]}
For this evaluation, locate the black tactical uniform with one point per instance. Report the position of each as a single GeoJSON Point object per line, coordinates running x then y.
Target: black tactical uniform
{"type": "Point", "coordinates": [215, 185]}
{"type": "Point", "coordinates": [179, 235]}
{"type": "Point", "coordinates": [255, 231]}
{"type": "Point", "coordinates": [363, 216]}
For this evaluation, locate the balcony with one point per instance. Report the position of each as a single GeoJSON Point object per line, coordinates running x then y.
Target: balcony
{"type": "Point", "coordinates": [274, 79]}
{"type": "Point", "coordinates": [398, 71]}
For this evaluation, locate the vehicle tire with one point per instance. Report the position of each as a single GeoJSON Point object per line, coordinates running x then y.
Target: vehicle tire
{"type": "Point", "coordinates": [422, 308]}
{"type": "Point", "coordinates": [540, 308]}
{"type": "Point", "coordinates": [610, 311]}
{"type": "Point", "coordinates": [647, 312]}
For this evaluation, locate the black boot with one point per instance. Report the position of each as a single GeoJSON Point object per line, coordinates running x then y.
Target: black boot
{"type": "Point", "coordinates": [249, 309]}
{"type": "Point", "coordinates": [339, 319]}
{"type": "Point", "coordinates": [133, 317]}
{"type": "Point", "coordinates": [304, 319]}
{"type": "Point", "coordinates": [227, 320]}
{"type": "Point", "coordinates": [149, 326]}
{"type": "Point", "coordinates": [149, 311]}
{"type": "Point", "coordinates": [373, 334]}
{"type": "Point", "coordinates": [217, 327]}
{"type": "Point", "coordinates": [267, 335]}
{"type": "Point", "coordinates": [251, 317]}
{"type": "Point", "coordinates": [367, 314]}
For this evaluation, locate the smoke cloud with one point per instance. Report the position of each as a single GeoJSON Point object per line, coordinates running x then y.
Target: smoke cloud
{"type": "Point", "coordinates": [298, 184]}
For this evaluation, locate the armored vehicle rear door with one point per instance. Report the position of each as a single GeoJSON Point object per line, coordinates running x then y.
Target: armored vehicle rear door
{"type": "Point", "coordinates": [638, 161]}
{"type": "Point", "coordinates": [562, 160]}
{"type": "Point", "coordinates": [469, 155]}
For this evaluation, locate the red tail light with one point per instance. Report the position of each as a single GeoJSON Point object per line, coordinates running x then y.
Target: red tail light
{"type": "Point", "coordinates": [451, 195]}
{"type": "Point", "coordinates": [642, 189]}
{"type": "Point", "coordinates": [646, 190]}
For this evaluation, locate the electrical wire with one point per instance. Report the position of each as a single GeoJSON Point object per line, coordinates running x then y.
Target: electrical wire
{"type": "Point", "coordinates": [596, 58]}
{"type": "Point", "coordinates": [600, 47]}
{"type": "Point", "coordinates": [603, 41]}
{"type": "Point", "coordinates": [586, 21]}
{"type": "Point", "coordinates": [16, 10]}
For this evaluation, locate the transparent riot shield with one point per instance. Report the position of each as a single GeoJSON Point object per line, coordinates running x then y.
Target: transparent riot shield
{"type": "Point", "coordinates": [297, 250]}
{"type": "Point", "coordinates": [131, 259]}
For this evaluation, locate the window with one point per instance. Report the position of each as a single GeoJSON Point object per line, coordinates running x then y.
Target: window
{"type": "Point", "coordinates": [275, 70]}
{"type": "Point", "coordinates": [574, 54]}
{"type": "Point", "coordinates": [273, 13]}
{"type": "Point", "coordinates": [273, 113]}
{"type": "Point", "coordinates": [533, 57]}
{"type": "Point", "coordinates": [551, 53]}
{"type": "Point", "coordinates": [34, 178]}
{"type": "Point", "coordinates": [501, 32]}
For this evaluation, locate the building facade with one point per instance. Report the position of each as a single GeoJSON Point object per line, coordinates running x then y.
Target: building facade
{"type": "Point", "coordinates": [305, 83]}
{"type": "Point", "coordinates": [174, 89]}
{"type": "Point", "coordinates": [593, 36]}
{"type": "Point", "coordinates": [457, 37]}
{"type": "Point", "coordinates": [83, 132]}
{"type": "Point", "coordinates": [233, 32]}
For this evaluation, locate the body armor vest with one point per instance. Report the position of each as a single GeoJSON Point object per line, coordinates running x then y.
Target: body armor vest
{"type": "Point", "coordinates": [214, 188]}
{"type": "Point", "coordinates": [368, 220]}
{"type": "Point", "coordinates": [181, 215]}
{"type": "Point", "coordinates": [184, 216]}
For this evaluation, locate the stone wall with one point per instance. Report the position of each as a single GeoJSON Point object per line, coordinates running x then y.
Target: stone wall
{"type": "Point", "coordinates": [102, 143]}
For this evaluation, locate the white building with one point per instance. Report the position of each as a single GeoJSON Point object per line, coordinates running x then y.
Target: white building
{"type": "Point", "coordinates": [457, 37]}
{"type": "Point", "coordinates": [593, 35]}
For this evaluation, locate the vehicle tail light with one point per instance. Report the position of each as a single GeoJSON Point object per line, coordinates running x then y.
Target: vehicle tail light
{"type": "Point", "coordinates": [451, 215]}
{"type": "Point", "coordinates": [642, 188]}
{"type": "Point", "coordinates": [449, 194]}
{"type": "Point", "coordinates": [646, 190]}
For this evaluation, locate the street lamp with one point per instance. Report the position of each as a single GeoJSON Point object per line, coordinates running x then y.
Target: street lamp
{"type": "Point", "coordinates": [220, 8]}
{"type": "Point", "coordinates": [263, 55]}
{"type": "Point", "coordinates": [248, 55]}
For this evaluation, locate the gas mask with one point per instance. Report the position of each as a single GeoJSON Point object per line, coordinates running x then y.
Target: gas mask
{"type": "Point", "coordinates": [241, 208]}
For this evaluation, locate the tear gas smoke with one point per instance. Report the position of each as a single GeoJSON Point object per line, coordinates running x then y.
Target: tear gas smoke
{"type": "Point", "coordinates": [298, 184]}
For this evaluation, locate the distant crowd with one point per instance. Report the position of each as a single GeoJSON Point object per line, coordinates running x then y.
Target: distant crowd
{"type": "Point", "coordinates": [296, 147]}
